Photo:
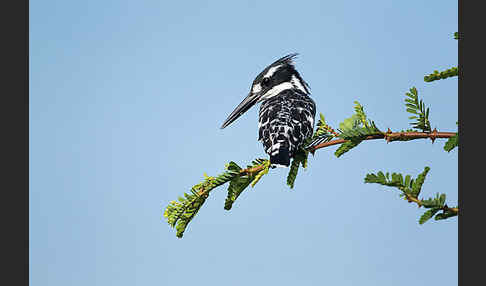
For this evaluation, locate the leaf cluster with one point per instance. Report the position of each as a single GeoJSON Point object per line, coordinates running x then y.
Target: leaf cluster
{"type": "Point", "coordinates": [411, 189]}
{"type": "Point", "coordinates": [323, 133]}
{"type": "Point", "coordinates": [417, 107]}
{"type": "Point", "coordinates": [180, 213]}
{"type": "Point", "coordinates": [435, 205]}
{"type": "Point", "coordinates": [452, 143]}
{"type": "Point", "coordinates": [436, 75]}
{"type": "Point", "coordinates": [239, 183]}
{"type": "Point", "coordinates": [355, 129]}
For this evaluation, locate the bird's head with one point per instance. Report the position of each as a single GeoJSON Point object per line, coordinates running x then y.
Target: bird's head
{"type": "Point", "coordinates": [275, 78]}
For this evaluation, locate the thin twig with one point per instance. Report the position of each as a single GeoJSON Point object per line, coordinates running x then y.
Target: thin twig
{"type": "Point", "coordinates": [448, 209]}
{"type": "Point", "coordinates": [445, 208]}
{"type": "Point", "coordinates": [251, 171]}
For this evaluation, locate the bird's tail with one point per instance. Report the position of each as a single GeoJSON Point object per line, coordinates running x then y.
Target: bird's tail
{"type": "Point", "coordinates": [280, 157]}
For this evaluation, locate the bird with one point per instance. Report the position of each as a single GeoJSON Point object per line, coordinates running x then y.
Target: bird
{"type": "Point", "coordinates": [287, 112]}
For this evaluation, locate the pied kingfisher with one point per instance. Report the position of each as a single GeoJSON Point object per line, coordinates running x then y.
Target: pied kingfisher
{"type": "Point", "coordinates": [286, 114]}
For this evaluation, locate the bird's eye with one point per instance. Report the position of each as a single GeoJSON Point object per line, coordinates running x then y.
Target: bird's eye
{"type": "Point", "coordinates": [265, 81]}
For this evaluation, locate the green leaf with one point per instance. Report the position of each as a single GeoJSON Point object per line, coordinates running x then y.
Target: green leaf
{"type": "Point", "coordinates": [345, 147]}
{"type": "Point", "coordinates": [382, 177]}
{"type": "Point", "coordinates": [235, 188]}
{"type": "Point", "coordinates": [371, 178]}
{"type": "Point", "coordinates": [445, 215]}
{"type": "Point", "coordinates": [305, 161]}
{"type": "Point", "coordinates": [416, 106]}
{"type": "Point", "coordinates": [417, 184]}
{"type": "Point", "coordinates": [294, 169]}
{"type": "Point", "coordinates": [239, 183]}
{"type": "Point", "coordinates": [442, 200]}
{"type": "Point", "coordinates": [436, 75]}
{"type": "Point", "coordinates": [452, 143]}
{"type": "Point", "coordinates": [360, 113]}
{"type": "Point", "coordinates": [429, 203]}
{"type": "Point", "coordinates": [408, 187]}
{"type": "Point", "coordinates": [180, 213]}
{"type": "Point", "coordinates": [350, 123]}
{"type": "Point", "coordinates": [428, 215]}
{"type": "Point", "coordinates": [189, 213]}
{"type": "Point", "coordinates": [300, 158]}
{"type": "Point", "coordinates": [437, 202]}
{"type": "Point", "coordinates": [355, 129]}
{"type": "Point", "coordinates": [261, 173]}
{"type": "Point", "coordinates": [408, 181]}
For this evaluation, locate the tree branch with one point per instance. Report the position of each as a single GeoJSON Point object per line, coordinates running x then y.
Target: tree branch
{"type": "Point", "coordinates": [251, 171]}
{"type": "Point", "coordinates": [388, 136]}
{"type": "Point", "coordinates": [393, 136]}
{"type": "Point", "coordinates": [445, 208]}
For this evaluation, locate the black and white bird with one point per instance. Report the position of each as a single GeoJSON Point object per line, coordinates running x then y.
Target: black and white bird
{"type": "Point", "coordinates": [286, 114]}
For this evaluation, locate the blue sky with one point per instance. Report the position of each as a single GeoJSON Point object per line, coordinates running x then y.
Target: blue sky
{"type": "Point", "coordinates": [126, 101]}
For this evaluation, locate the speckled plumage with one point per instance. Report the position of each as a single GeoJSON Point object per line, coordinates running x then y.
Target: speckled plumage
{"type": "Point", "coordinates": [286, 120]}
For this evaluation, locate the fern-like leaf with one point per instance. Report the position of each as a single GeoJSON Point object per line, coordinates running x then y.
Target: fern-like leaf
{"type": "Point", "coordinates": [452, 143]}
{"type": "Point", "coordinates": [345, 147]}
{"type": "Point", "coordinates": [260, 174]}
{"type": "Point", "coordinates": [437, 202]}
{"type": "Point", "coordinates": [239, 183]}
{"type": "Point", "coordinates": [409, 187]}
{"type": "Point", "coordinates": [428, 215]}
{"type": "Point", "coordinates": [236, 186]}
{"type": "Point", "coordinates": [445, 215]}
{"type": "Point", "coordinates": [417, 107]}
{"type": "Point", "coordinates": [180, 213]}
{"type": "Point", "coordinates": [350, 123]}
{"type": "Point", "coordinates": [360, 113]}
{"type": "Point", "coordinates": [436, 75]}
{"type": "Point", "coordinates": [300, 158]}
{"type": "Point", "coordinates": [417, 184]}
{"type": "Point", "coordinates": [321, 135]}
{"type": "Point", "coordinates": [355, 129]}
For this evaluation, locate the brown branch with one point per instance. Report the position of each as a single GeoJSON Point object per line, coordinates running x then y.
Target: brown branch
{"type": "Point", "coordinates": [393, 136]}
{"type": "Point", "coordinates": [413, 199]}
{"type": "Point", "coordinates": [388, 136]}
{"type": "Point", "coordinates": [251, 171]}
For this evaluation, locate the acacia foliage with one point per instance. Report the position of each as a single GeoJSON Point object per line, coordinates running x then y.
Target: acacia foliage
{"type": "Point", "coordinates": [352, 131]}
{"type": "Point", "coordinates": [410, 191]}
{"type": "Point", "coordinates": [180, 213]}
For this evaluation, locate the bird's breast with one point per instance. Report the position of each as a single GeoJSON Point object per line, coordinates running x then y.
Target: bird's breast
{"type": "Point", "coordinates": [286, 119]}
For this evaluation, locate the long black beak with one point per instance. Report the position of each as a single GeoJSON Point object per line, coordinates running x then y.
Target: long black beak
{"type": "Point", "coordinates": [246, 104]}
